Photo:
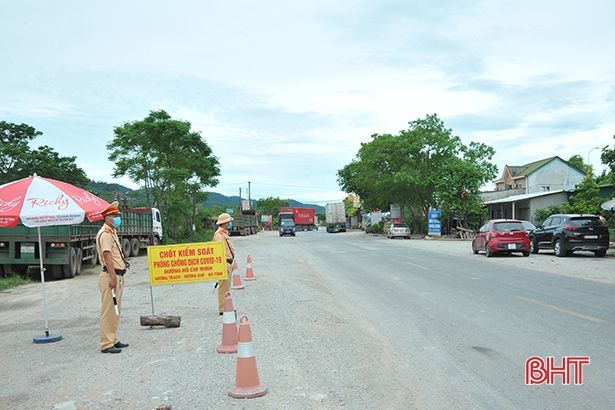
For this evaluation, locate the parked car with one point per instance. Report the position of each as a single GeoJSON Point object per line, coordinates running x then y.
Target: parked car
{"type": "Point", "coordinates": [396, 230]}
{"type": "Point", "coordinates": [502, 235]}
{"type": "Point", "coordinates": [528, 225]}
{"type": "Point", "coordinates": [287, 227]}
{"type": "Point", "coordinates": [567, 233]}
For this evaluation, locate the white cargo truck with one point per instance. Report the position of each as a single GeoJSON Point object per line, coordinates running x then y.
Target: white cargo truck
{"type": "Point", "coordinates": [335, 217]}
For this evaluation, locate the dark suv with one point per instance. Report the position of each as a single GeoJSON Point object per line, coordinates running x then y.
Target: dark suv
{"type": "Point", "coordinates": [566, 233]}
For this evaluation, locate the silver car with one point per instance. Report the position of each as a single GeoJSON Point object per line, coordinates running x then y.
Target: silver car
{"type": "Point", "coordinates": [399, 230]}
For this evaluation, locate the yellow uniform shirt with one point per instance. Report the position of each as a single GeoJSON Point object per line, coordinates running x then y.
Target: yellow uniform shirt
{"type": "Point", "coordinates": [108, 241]}
{"type": "Point", "coordinates": [221, 235]}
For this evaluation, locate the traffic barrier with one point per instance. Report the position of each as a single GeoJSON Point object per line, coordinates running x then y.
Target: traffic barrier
{"type": "Point", "coordinates": [229, 327]}
{"type": "Point", "coordinates": [247, 383]}
{"type": "Point", "coordinates": [249, 270]}
{"type": "Point", "coordinates": [237, 280]}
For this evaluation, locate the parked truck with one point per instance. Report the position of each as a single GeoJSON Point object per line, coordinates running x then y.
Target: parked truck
{"type": "Point", "coordinates": [66, 247]}
{"type": "Point", "coordinates": [335, 217]}
{"type": "Point", "coordinates": [304, 218]}
{"type": "Point", "coordinates": [244, 224]}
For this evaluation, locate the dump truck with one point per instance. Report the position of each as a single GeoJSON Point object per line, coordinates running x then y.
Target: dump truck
{"type": "Point", "coordinates": [304, 218]}
{"type": "Point", "coordinates": [335, 217]}
{"type": "Point", "coordinates": [67, 247]}
{"type": "Point", "coordinates": [244, 224]}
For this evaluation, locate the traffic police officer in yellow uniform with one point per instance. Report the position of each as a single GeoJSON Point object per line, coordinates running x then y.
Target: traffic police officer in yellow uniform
{"type": "Point", "coordinates": [111, 278]}
{"type": "Point", "coordinates": [222, 235]}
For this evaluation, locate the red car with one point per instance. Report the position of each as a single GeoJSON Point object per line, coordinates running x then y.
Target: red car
{"type": "Point", "coordinates": [502, 235]}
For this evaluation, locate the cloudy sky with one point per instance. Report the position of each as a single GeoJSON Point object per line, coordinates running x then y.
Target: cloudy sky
{"type": "Point", "coordinates": [285, 91]}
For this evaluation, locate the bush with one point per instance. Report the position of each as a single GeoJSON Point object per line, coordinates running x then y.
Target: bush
{"type": "Point", "coordinates": [543, 213]}
{"type": "Point", "coordinates": [377, 228]}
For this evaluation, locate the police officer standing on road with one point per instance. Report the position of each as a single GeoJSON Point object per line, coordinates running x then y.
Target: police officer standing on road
{"type": "Point", "coordinates": [110, 279]}
{"type": "Point", "coordinates": [222, 235]}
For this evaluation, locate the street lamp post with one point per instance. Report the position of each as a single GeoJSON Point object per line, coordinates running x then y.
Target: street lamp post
{"type": "Point", "coordinates": [589, 152]}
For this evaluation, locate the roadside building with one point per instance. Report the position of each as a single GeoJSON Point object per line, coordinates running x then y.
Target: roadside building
{"type": "Point", "coordinates": [523, 189]}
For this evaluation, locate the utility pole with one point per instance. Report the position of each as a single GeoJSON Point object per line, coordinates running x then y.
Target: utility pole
{"type": "Point", "coordinates": [239, 198]}
{"type": "Point", "coordinates": [249, 200]}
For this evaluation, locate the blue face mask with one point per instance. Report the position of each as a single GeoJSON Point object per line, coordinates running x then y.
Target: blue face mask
{"type": "Point", "coordinates": [230, 225]}
{"type": "Point", "coordinates": [117, 221]}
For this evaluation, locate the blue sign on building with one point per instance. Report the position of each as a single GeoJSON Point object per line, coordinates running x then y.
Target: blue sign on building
{"type": "Point", "coordinates": [434, 226]}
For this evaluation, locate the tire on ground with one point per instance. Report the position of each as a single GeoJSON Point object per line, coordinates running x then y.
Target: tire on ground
{"type": "Point", "coordinates": [126, 247]}
{"type": "Point", "coordinates": [79, 261]}
{"type": "Point", "coordinates": [69, 270]}
{"type": "Point", "coordinates": [135, 246]}
{"type": "Point", "coordinates": [94, 260]}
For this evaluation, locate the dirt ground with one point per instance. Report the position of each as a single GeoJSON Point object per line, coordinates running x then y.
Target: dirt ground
{"type": "Point", "coordinates": [311, 349]}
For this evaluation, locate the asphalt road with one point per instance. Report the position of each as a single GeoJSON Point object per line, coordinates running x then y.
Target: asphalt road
{"type": "Point", "coordinates": [339, 321]}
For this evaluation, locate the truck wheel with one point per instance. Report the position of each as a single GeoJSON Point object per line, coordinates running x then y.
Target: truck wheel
{"type": "Point", "coordinates": [126, 247]}
{"type": "Point", "coordinates": [70, 269]}
{"type": "Point", "coordinates": [94, 259]}
{"type": "Point", "coordinates": [135, 246]}
{"type": "Point", "coordinates": [156, 241]}
{"type": "Point", "coordinates": [79, 261]}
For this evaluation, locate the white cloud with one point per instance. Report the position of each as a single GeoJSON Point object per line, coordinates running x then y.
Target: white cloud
{"type": "Point", "coordinates": [286, 92]}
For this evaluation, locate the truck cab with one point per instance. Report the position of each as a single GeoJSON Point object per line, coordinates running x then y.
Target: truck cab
{"type": "Point", "coordinates": [157, 225]}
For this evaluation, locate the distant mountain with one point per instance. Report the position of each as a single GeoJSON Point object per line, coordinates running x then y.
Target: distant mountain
{"type": "Point", "coordinates": [216, 199]}
{"type": "Point", "coordinates": [296, 204]}
{"type": "Point", "coordinates": [112, 192]}
{"type": "Point", "coordinates": [136, 198]}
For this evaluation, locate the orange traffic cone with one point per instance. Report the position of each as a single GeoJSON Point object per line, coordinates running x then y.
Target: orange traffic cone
{"type": "Point", "coordinates": [247, 383]}
{"type": "Point", "coordinates": [249, 271]}
{"type": "Point", "coordinates": [237, 281]}
{"type": "Point", "coordinates": [229, 327]}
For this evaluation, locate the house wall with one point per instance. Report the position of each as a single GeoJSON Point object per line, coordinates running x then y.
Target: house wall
{"type": "Point", "coordinates": [545, 201]}
{"type": "Point", "coordinates": [525, 209]}
{"type": "Point", "coordinates": [553, 176]}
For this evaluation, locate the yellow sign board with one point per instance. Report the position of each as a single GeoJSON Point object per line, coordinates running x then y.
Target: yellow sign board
{"type": "Point", "coordinates": [187, 262]}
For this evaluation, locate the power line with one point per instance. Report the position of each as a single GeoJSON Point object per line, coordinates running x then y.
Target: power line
{"type": "Point", "coordinates": [270, 184]}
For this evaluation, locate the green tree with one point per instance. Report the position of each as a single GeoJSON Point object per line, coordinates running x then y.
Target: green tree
{"type": "Point", "coordinates": [577, 162]}
{"type": "Point", "coordinates": [423, 167]}
{"type": "Point", "coordinates": [586, 199]}
{"type": "Point", "coordinates": [608, 158]}
{"type": "Point", "coordinates": [349, 208]}
{"type": "Point", "coordinates": [173, 162]}
{"type": "Point", "coordinates": [18, 161]}
{"type": "Point", "coordinates": [46, 162]}
{"type": "Point", "coordinates": [543, 213]}
{"type": "Point", "coordinates": [271, 206]}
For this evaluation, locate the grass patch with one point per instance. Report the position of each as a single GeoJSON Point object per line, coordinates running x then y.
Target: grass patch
{"type": "Point", "coordinates": [12, 282]}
